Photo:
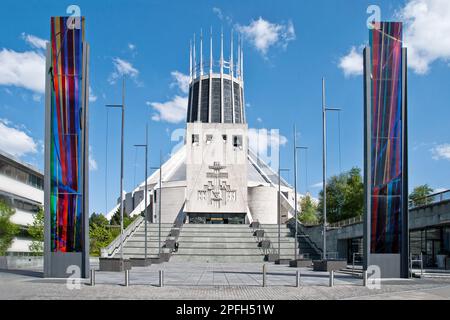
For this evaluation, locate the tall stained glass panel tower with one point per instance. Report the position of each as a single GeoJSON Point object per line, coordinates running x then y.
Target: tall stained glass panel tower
{"type": "Point", "coordinates": [386, 205]}
{"type": "Point", "coordinates": [66, 166]}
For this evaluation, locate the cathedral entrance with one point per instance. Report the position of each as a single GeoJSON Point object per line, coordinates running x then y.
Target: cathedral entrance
{"type": "Point", "coordinates": [217, 218]}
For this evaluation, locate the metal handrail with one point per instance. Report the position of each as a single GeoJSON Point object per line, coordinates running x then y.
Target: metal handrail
{"type": "Point", "coordinates": [412, 261]}
{"type": "Point", "coordinates": [301, 232]}
{"type": "Point", "coordinates": [347, 222]}
{"type": "Point", "coordinates": [430, 199]}
{"type": "Point", "coordinates": [354, 260]}
{"type": "Point", "coordinates": [435, 198]}
{"type": "Point", "coordinates": [114, 246]}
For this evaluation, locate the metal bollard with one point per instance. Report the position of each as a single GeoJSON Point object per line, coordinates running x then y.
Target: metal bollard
{"type": "Point", "coordinates": [365, 278]}
{"type": "Point", "coordinates": [264, 275]}
{"type": "Point", "coordinates": [127, 278]}
{"type": "Point", "coordinates": [161, 278]}
{"type": "Point", "coordinates": [297, 278]}
{"type": "Point", "coordinates": [331, 278]}
{"type": "Point", "coordinates": [92, 277]}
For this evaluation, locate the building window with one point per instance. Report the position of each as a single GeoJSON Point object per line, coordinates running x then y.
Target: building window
{"type": "Point", "coordinates": [224, 138]}
{"type": "Point", "coordinates": [195, 139]}
{"type": "Point", "coordinates": [237, 141]}
{"type": "Point", "coordinates": [209, 138]}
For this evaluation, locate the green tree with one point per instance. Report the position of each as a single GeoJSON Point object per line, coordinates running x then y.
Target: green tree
{"type": "Point", "coordinates": [100, 236]}
{"type": "Point", "coordinates": [36, 231]}
{"type": "Point", "coordinates": [98, 219]}
{"type": "Point", "coordinates": [345, 196]}
{"type": "Point", "coordinates": [308, 211]}
{"type": "Point", "coordinates": [127, 220]}
{"type": "Point", "coordinates": [419, 194]}
{"type": "Point", "coordinates": [115, 219]}
{"type": "Point", "coordinates": [7, 229]}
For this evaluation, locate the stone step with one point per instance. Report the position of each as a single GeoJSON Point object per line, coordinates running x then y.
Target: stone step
{"type": "Point", "coordinates": [129, 251]}
{"type": "Point", "coordinates": [216, 234]}
{"type": "Point", "coordinates": [220, 251]}
{"type": "Point", "coordinates": [218, 258]}
{"type": "Point", "coordinates": [217, 245]}
{"type": "Point", "coordinates": [217, 226]}
{"type": "Point", "coordinates": [216, 239]}
{"type": "Point", "coordinates": [182, 239]}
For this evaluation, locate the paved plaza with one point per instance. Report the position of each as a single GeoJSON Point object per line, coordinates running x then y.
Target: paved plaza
{"type": "Point", "coordinates": [216, 281]}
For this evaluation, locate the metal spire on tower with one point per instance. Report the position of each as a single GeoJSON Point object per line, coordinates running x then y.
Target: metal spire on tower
{"type": "Point", "coordinates": [190, 60]}
{"type": "Point", "coordinates": [242, 63]}
{"type": "Point", "coordinates": [238, 68]}
{"type": "Point", "coordinates": [210, 52]}
{"type": "Point", "coordinates": [201, 52]}
{"type": "Point", "coordinates": [231, 54]}
{"type": "Point", "coordinates": [195, 61]}
{"type": "Point", "coordinates": [221, 51]}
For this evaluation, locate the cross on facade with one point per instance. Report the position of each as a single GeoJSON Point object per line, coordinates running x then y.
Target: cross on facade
{"type": "Point", "coordinates": [217, 191]}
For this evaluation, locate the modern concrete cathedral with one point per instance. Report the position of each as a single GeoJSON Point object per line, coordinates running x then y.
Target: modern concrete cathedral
{"type": "Point", "coordinates": [214, 177]}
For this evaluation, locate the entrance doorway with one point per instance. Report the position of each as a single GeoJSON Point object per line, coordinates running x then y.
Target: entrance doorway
{"type": "Point", "coordinates": [217, 218]}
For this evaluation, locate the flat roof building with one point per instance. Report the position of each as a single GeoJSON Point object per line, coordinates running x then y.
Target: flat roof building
{"type": "Point", "coordinates": [22, 188]}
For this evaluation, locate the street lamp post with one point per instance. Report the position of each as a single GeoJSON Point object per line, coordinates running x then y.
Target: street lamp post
{"type": "Point", "coordinates": [146, 187]}
{"type": "Point", "coordinates": [122, 106]}
{"type": "Point", "coordinates": [279, 199]}
{"type": "Point", "coordinates": [160, 201]}
{"type": "Point", "coordinates": [324, 164]}
{"type": "Point", "coordinates": [295, 190]}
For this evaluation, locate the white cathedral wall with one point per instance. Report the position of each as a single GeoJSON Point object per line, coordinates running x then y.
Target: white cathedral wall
{"type": "Point", "coordinates": [262, 202]}
{"type": "Point", "coordinates": [200, 156]}
{"type": "Point", "coordinates": [172, 202]}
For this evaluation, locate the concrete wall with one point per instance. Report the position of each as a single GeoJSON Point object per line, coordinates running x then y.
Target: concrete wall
{"type": "Point", "coordinates": [336, 237]}
{"type": "Point", "coordinates": [429, 215]}
{"type": "Point", "coordinates": [262, 202]}
{"type": "Point", "coordinates": [202, 155]}
{"type": "Point", "coordinates": [172, 199]}
{"type": "Point", "coordinates": [419, 218]}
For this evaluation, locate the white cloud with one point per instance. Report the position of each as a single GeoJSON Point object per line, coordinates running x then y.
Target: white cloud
{"type": "Point", "coordinates": [22, 69]}
{"type": "Point", "coordinates": [92, 162]}
{"type": "Point", "coordinates": [353, 63]}
{"type": "Point", "coordinates": [36, 97]}
{"type": "Point", "coordinates": [259, 119]}
{"type": "Point", "coordinates": [218, 13]}
{"type": "Point", "coordinates": [261, 140]}
{"type": "Point", "coordinates": [441, 152]}
{"type": "Point", "coordinates": [317, 185]}
{"type": "Point", "coordinates": [426, 34]}
{"type": "Point", "coordinates": [92, 96]}
{"type": "Point", "coordinates": [131, 46]}
{"type": "Point", "coordinates": [14, 140]}
{"type": "Point", "coordinates": [263, 34]}
{"type": "Point", "coordinates": [34, 41]}
{"type": "Point", "coordinates": [173, 111]}
{"type": "Point", "coordinates": [181, 81]}
{"type": "Point", "coordinates": [122, 68]}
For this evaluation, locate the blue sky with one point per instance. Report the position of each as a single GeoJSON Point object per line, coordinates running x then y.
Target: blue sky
{"type": "Point", "coordinates": [288, 47]}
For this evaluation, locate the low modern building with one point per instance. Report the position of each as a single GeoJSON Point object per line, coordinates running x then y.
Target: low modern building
{"type": "Point", "coordinates": [21, 187]}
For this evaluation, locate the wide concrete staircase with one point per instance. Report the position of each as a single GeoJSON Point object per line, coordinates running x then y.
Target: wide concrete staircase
{"type": "Point", "coordinates": [135, 246]}
{"type": "Point", "coordinates": [216, 243]}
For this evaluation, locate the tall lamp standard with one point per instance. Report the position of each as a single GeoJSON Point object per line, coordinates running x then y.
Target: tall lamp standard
{"type": "Point", "coordinates": [122, 106]}
{"type": "Point", "coordinates": [160, 201]}
{"type": "Point", "coordinates": [324, 164]}
{"type": "Point", "coordinates": [146, 187]}
{"type": "Point", "coordinates": [279, 199]}
{"type": "Point", "coordinates": [295, 190]}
